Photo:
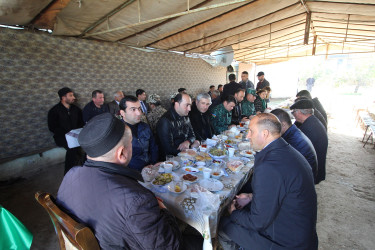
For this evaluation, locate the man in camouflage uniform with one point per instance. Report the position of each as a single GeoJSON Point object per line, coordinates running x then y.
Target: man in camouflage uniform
{"type": "Point", "coordinates": [221, 115]}
{"type": "Point", "coordinates": [248, 108]}
{"type": "Point", "coordinates": [157, 111]}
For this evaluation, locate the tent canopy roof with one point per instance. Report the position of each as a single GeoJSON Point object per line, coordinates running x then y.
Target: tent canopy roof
{"type": "Point", "coordinates": [262, 32]}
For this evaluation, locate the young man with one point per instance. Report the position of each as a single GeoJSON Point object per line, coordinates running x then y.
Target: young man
{"type": "Point", "coordinates": [221, 115]}
{"type": "Point", "coordinates": [245, 82]}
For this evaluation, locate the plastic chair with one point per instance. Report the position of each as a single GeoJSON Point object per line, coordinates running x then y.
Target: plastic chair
{"type": "Point", "coordinates": [71, 234]}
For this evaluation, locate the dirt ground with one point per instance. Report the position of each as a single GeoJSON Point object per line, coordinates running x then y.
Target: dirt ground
{"type": "Point", "coordinates": [346, 199]}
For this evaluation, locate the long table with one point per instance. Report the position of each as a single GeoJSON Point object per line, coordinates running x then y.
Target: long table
{"type": "Point", "coordinates": [203, 210]}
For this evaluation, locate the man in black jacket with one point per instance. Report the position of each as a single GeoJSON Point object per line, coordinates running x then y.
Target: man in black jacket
{"type": "Point", "coordinates": [95, 107]}
{"type": "Point", "coordinates": [231, 87]}
{"type": "Point", "coordinates": [105, 195]}
{"type": "Point", "coordinates": [199, 117]}
{"type": "Point", "coordinates": [317, 104]}
{"type": "Point", "coordinates": [62, 118]}
{"type": "Point", "coordinates": [174, 129]}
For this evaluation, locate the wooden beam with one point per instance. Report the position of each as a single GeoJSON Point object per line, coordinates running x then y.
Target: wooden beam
{"type": "Point", "coordinates": [347, 26]}
{"type": "Point", "coordinates": [314, 45]}
{"type": "Point", "coordinates": [307, 28]}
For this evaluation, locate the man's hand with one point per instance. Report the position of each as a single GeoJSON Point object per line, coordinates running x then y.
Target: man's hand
{"type": "Point", "coordinates": [232, 206]}
{"type": "Point", "coordinates": [231, 126]}
{"type": "Point", "coordinates": [243, 199]}
{"type": "Point", "coordinates": [183, 146]}
{"type": "Point", "coordinates": [195, 144]}
{"type": "Point", "coordinates": [245, 119]}
{"type": "Point", "coordinates": [161, 204]}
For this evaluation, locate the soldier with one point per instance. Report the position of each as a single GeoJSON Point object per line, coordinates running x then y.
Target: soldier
{"type": "Point", "coordinates": [221, 116]}
{"type": "Point", "coordinates": [157, 111]}
{"type": "Point", "coordinates": [248, 108]}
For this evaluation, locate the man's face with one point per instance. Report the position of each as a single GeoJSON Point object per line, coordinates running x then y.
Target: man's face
{"type": "Point", "coordinates": [142, 97]}
{"type": "Point", "coordinates": [263, 95]}
{"type": "Point", "coordinates": [203, 105]}
{"type": "Point", "coordinates": [119, 96]}
{"type": "Point", "coordinates": [250, 97]}
{"type": "Point", "coordinates": [212, 89]}
{"type": "Point", "coordinates": [260, 78]}
{"type": "Point", "coordinates": [255, 135]}
{"type": "Point", "coordinates": [229, 105]}
{"type": "Point", "coordinates": [99, 99]}
{"type": "Point", "coordinates": [239, 96]}
{"type": "Point", "coordinates": [132, 113]}
{"type": "Point", "coordinates": [69, 98]}
{"type": "Point", "coordinates": [244, 77]}
{"type": "Point", "coordinates": [298, 115]}
{"type": "Point", "coordinates": [184, 107]}
{"type": "Point", "coordinates": [221, 89]}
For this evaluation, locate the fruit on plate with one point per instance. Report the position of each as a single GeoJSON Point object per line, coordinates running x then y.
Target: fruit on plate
{"type": "Point", "coordinates": [177, 189]}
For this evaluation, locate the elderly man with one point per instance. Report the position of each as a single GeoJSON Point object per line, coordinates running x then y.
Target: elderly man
{"type": "Point", "coordinates": [62, 118]}
{"type": "Point", "coordinates": [231, 87]}
{"type": "Point", "coordinates": [174, 129]}
{"type": "Point", "coordinates": [105, 195]}
{"type": "Point", "coordinates": [145, 150]}
{"type": "Point", "coordinates": [316, 113]}
{"type": "Point", "coordinates": [95, 107]}
{"type": "Point", "coordinates": [237, 116]}
{"type": "Point", "coordinates": [215, 99]}
{"type": "Point", "coordinates": [156, 111]}
{"type": "Point", "coordinates": [221, 115]}
{"type": "Point", "coordinates": [281, 212]}
{"type": "Point", "coordinates": [199, 117]}
{"type": "Point", "coordinates": [317, 104]}
{"type": "Point", "coordinates": [113, 106]}
{"type": "Point", "coordinates": [245, 82]}
{"type": "Point", "coordinates": [292, 135]}
{"type": "Point", "coordinates": [311, 126]}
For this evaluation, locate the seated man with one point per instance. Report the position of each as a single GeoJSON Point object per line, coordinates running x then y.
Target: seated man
{"type": "Point", "coordinates": [295, 137]}
{"type": "Point", "coordinates": [199, 117]}
{"type": "Point", "coordinates": [215, 99]}
{"type": "Point", "coordinates": [174, 129]}
{"type": "Point", "coordinates": [156, 111]}
{"type": "Point", "coordinates": [113, 106]}
{"type": "Point", "coordinates": [281, 212]}
{"type": "Point", "coordinates": [221, 115]}
{"type": "Point", "coordinates": [145, 150]}
{"type": "Point", "coordinates": [237, 116]}
{"type": "Point", "coordinates": [317, 104]}
{"type": "Point", "coordinates": [311, 126]}
{"type": "Point", "coordinates": [316, 113]}
{"type": "Point", "coordinates": [105, 195]}
{"type": "Point", "coordinates": [248, 108]}
{"type": "Point", "coordinates": [95, 107]}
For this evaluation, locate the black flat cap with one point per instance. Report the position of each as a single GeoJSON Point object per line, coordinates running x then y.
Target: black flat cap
{"type": "Point", "coordinates": [260, 73]}
{"type": "Point", "coordinates": [62, 92]}
{"type": "Point", "coordinates": [303, 104]}
{"type": "Point", "coordinates": [101, 134]}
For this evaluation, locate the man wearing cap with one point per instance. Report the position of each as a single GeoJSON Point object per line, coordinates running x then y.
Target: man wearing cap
{"type": "Point", "coordinates": [62, 118]}
{"type": "Point", "coordinates": [245, 82]}
{"type": "Point", "coordinates": [221, 115]}
{"type": "Point", "coordinates": [105, 195]}
{"type": "Point", "coordinates": [295, 137]}
{"type": "Point", "coordinates": [311, 126]}
{"type": "Point", "coordinates": [174, 129]}
{"type": "Point", "coordinates": [199, 117]}
{"type": "Point", "coordinates": [262, 82]}
{"type": "Point", "coordinates": [281, 211]}
{"type": "Point", "coordinates": [317, 104]}
{"type": "Point", "coordinates": [113, 106]}
{"type": "Point", "coordinates": [145, 150]}
{"type": "Point", "coordinates": [231, 87]}
{"type": "Point", "coordinates": [157, 111]}
{"type": "Point", "coordinates": [95, 107]}
{"type": "Point", "coordinates": [248, 108]}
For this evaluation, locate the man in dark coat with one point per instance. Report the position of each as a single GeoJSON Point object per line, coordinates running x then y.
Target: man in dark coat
{"type": "Point", "coordinates": [105, 195]}
{"type": "Point", "coordinates": [316, 113]}
{"type": "Point", "coordinates": [315, 131]}
{"type": "Point", "coordinates": [295, 137]}
{"type": "Point", "coordinates": [231, 87]}
{"type": "Point", "coordinates": [95, 107]}
{"type": "Point", "coordinates": [281, 212]}
{"type": "Point", "coordinates": [245, 82]}
{"type": "Point", "coordinates": [200, 118]}
{"type": "Point", "coordinates": [113, 106]}
{"type": "Point", "coordinates": [317, 104]}
{"type": "Point", "coordinates": [174, 129]}
{"type": "Point", "coordinates": [262, 81]}
{"type": "Point", "coordinates": [237, 116]}
{"type": "Point", "coordinates": [62, 118]}
{"type": "Point", "coordinates": [145, 150]}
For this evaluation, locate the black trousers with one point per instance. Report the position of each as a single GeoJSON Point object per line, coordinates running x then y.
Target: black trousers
{"type": "Point", "coordinates": [74, 157]}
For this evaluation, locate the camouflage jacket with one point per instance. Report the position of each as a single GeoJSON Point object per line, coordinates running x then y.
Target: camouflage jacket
{"type": "Point", "coordinates": [220, 118]}
{"type": "Point", "coordinates": [248, 108]}
{"type": "Point", "coordinates": [154, 116]}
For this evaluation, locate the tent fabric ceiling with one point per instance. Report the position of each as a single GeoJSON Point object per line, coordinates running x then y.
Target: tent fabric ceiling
{"type": "Point", "coordinates": [262, 31]}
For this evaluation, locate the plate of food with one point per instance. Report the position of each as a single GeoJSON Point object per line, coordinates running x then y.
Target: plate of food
{"type": "Point", "coordinates": [217, 162]}
{"type": "Point", "coordinates": [177, 187]}
{"type": "Point", "coordinates": [235, 165]}
{"type": "Point", "coordinates": [188, 152]}
{"type": "Point", "coordinates": [175, 164]}
{"type": "Point", "coordinates": [190, 170]}
{"type": "Point", "coordinates": [191, 178]}
{"type": "Point", "coordinates": [216, 153]}
{"type": "Point", "coordinates": [217, 174]}
{"type": "Point", "coordinates": [247, 153]}
{"type": "Point", "coordinates": [163, 179]}
{"type": "Point", "coordinates": [212, 185]}
{"type": "Point", "coordinates": [203, 157]}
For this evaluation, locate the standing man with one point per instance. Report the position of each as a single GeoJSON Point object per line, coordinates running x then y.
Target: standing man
{"type": "Point", "coordinates": [105, 194]}
{"type": "Point", "coordinates": [113, 106]}
{"type": "Point", "coordinates": [199, 117]}
{"type": "Point", "coordinates": [315, 131]}
{"type": "Point", "coordinates": [174, 129]}
{"type": "Point", "coordinates": [231, 87]}
{"type": "Point", "coordinates": [281, 212]}
{"type": "Point", "coordinates": [62, 118]}
{"type": "Point", "coordinates": [295, 137]}
{"type": "Point", "coordinates": [262, 81]}
{"type": "Point", "coordinates": [220, 88]}
{"type": "Point", "coordinates": [212, 89]}
{"type": "Point", "coordinates": [245, 82]}
{"type": "Point", "coordinates": [221, 115]}
{"type": "Point", "coordinates": [310, 83]}
{"type": "Point", "coordinates": [95, 107]}
{"type": "Point", "coordinates": [141, 95]}
{"type": "Point", "coordinates": [145, 150]}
